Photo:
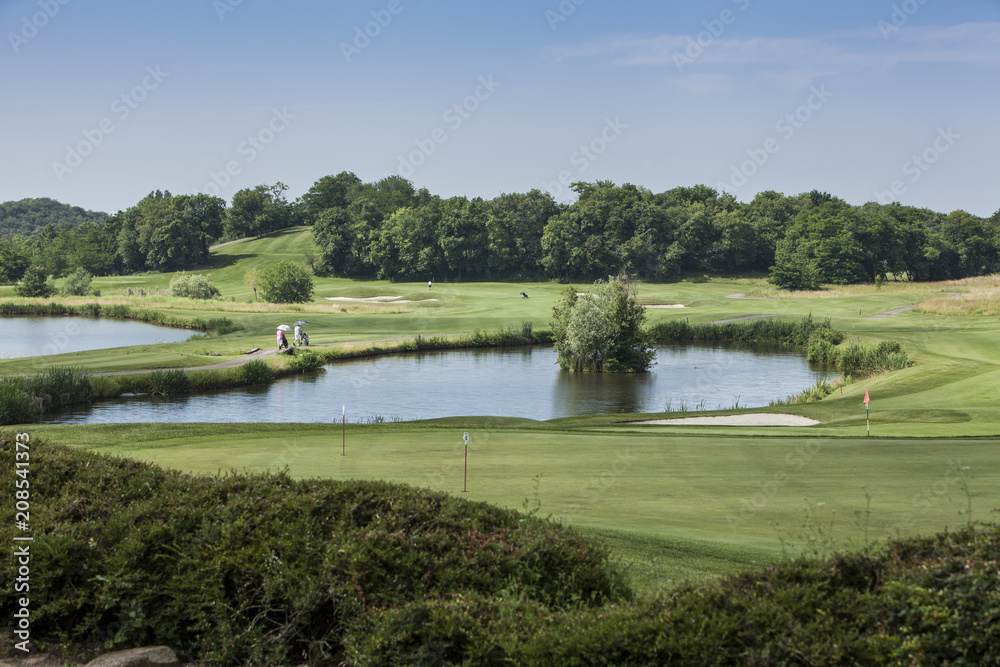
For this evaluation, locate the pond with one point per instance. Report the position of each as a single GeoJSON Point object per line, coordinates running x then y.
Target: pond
{"type": "Point", "coordinates": [40, 336]}
{"type": "Point", "coordinates": [522, 382]}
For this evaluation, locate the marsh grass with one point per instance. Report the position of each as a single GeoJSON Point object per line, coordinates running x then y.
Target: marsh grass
{"type": "Point", "coordinates": [968, 297]}
{"type": "Point", "coordinates": [116, 310]}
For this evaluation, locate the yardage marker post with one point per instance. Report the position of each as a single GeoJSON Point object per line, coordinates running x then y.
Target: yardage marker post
{"type": "Point", "coordinates": [465, 478]}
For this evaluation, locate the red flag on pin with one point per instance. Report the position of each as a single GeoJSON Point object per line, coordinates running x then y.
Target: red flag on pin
{"type": "Point", "coordinates": [867, 398]}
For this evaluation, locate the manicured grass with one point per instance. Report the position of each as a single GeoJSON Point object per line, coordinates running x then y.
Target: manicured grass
{"type": "Point", "coordinates": [668, 507]}
{"type": "Point", "coordinates": [672, 507]}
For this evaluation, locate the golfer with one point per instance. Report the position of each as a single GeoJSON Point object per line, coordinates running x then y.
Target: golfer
{"type": "Point", "coordinates": [282, 341]}
{"type": "Point", "coordinates": [298, 334]}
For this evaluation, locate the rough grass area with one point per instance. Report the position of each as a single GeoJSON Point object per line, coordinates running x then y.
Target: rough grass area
{"type": "Point", "coordinates": [244, 569]}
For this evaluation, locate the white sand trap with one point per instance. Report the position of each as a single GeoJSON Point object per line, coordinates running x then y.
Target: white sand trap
{"type": "Point", "coordinates": [676, 305]}
{"type": "Point", "coordinates": [375, 299]}
{"type": "Point", "coordinates": [759, 419]}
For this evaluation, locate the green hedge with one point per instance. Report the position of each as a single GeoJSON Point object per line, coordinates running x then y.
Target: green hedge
{"type": "Point", "coordinates": [263, 569]}
{"type": "Point", "coordinates": [926, 601]}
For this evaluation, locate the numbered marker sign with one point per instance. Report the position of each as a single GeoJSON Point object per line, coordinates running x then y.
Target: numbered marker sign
{"type": "Point", "coordinates": [466, 438]}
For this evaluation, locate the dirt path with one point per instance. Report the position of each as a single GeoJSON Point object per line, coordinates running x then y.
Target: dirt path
{"type": "Point", "coordinates": [260, 354]}
{"type": "Point", "coordinates": [748, 298]}
{"type": "Point", "coordinates": [740, 319]}
{"type": "Point", "coordinates": [894, 311]}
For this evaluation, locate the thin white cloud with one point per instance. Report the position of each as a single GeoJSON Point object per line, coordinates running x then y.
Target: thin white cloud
{"type": "Point", "coordinates": [797, 58]}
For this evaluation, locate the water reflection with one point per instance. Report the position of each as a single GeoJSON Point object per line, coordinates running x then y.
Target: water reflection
{"type": "Point", "coordinates": [521, 382]}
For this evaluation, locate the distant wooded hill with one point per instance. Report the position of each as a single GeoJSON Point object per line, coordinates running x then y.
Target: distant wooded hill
{"type": "Point", "coordinates": [30, 216]}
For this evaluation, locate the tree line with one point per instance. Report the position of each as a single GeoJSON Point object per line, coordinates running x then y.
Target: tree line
{"type": "Point", "coordinates": [388, 229]}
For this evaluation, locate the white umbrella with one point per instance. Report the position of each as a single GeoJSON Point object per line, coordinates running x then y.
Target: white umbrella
{"type": "Point", "coordinates": [284, 327]}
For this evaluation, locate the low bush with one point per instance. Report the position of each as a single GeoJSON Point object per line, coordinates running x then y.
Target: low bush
{"type": "Point", "coordinates": [263, 569]}
{"type": "Point", "coordinates": [193, 286]}
{"type": "Point", "coordinates": [77, 283]}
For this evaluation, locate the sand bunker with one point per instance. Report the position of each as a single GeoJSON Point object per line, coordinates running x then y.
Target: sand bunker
{"type": "Point", "coordinates": [676, 305]}
{"type": "Point", "coordinates": [760, 419]}
{"type": "Point", "coordinates": [375, 299]}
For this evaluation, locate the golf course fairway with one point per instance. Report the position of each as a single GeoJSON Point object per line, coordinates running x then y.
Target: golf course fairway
{"type": "Point", "coordinates": [672, 502]}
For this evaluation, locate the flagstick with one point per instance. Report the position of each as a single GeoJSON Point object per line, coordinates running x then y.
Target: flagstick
{"type": "Point", "coordinates": [868, 422]}
{"type": "Point", "coordinates": [343, 427]}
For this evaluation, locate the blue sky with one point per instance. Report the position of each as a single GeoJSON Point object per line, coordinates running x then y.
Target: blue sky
{"type": "Point", "coordinates": [104, 102]}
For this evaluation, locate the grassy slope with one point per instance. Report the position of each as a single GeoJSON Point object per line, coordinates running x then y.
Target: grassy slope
{"type": "Point", "coordinates": [686, 481]}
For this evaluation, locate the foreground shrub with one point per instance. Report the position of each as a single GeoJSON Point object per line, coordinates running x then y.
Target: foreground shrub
{"type": "Point", "coordinates": [262, 569]}
{"type": "Point", "coordinates": [193, 286]}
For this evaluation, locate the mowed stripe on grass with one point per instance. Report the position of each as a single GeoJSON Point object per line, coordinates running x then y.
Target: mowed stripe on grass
{"type": "Point", "coordinates": [732, 500]}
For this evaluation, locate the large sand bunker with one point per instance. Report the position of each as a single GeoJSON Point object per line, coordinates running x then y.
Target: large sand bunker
{"type": "Point", "coordinates": [759, 419]}
{"type": "Point", "coordinates": [375, 299]}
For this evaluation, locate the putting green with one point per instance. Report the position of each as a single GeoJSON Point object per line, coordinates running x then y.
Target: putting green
{"type": "Point", "coordinates": [735, 502]}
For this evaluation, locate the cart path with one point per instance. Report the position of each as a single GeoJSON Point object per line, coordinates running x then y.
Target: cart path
{"type": "Point", "coordinates": [260, 354]}
{"type": "Point", "coordinates": [740, 319]}
{"type": "Point", "coordinates": [748, 298]}
{"type": "Point", "coordinates": [894, 311]}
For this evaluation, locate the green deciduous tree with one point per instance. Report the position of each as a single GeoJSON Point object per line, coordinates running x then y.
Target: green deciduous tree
{"type": "Point", "coordinates": [14, 261]}
{"type": "Point", "coordinates": [285, 282]}
{"type": "Point", "coordinates": [603, 330]}
{"type": "Point", "coordinates": [35, 284]}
